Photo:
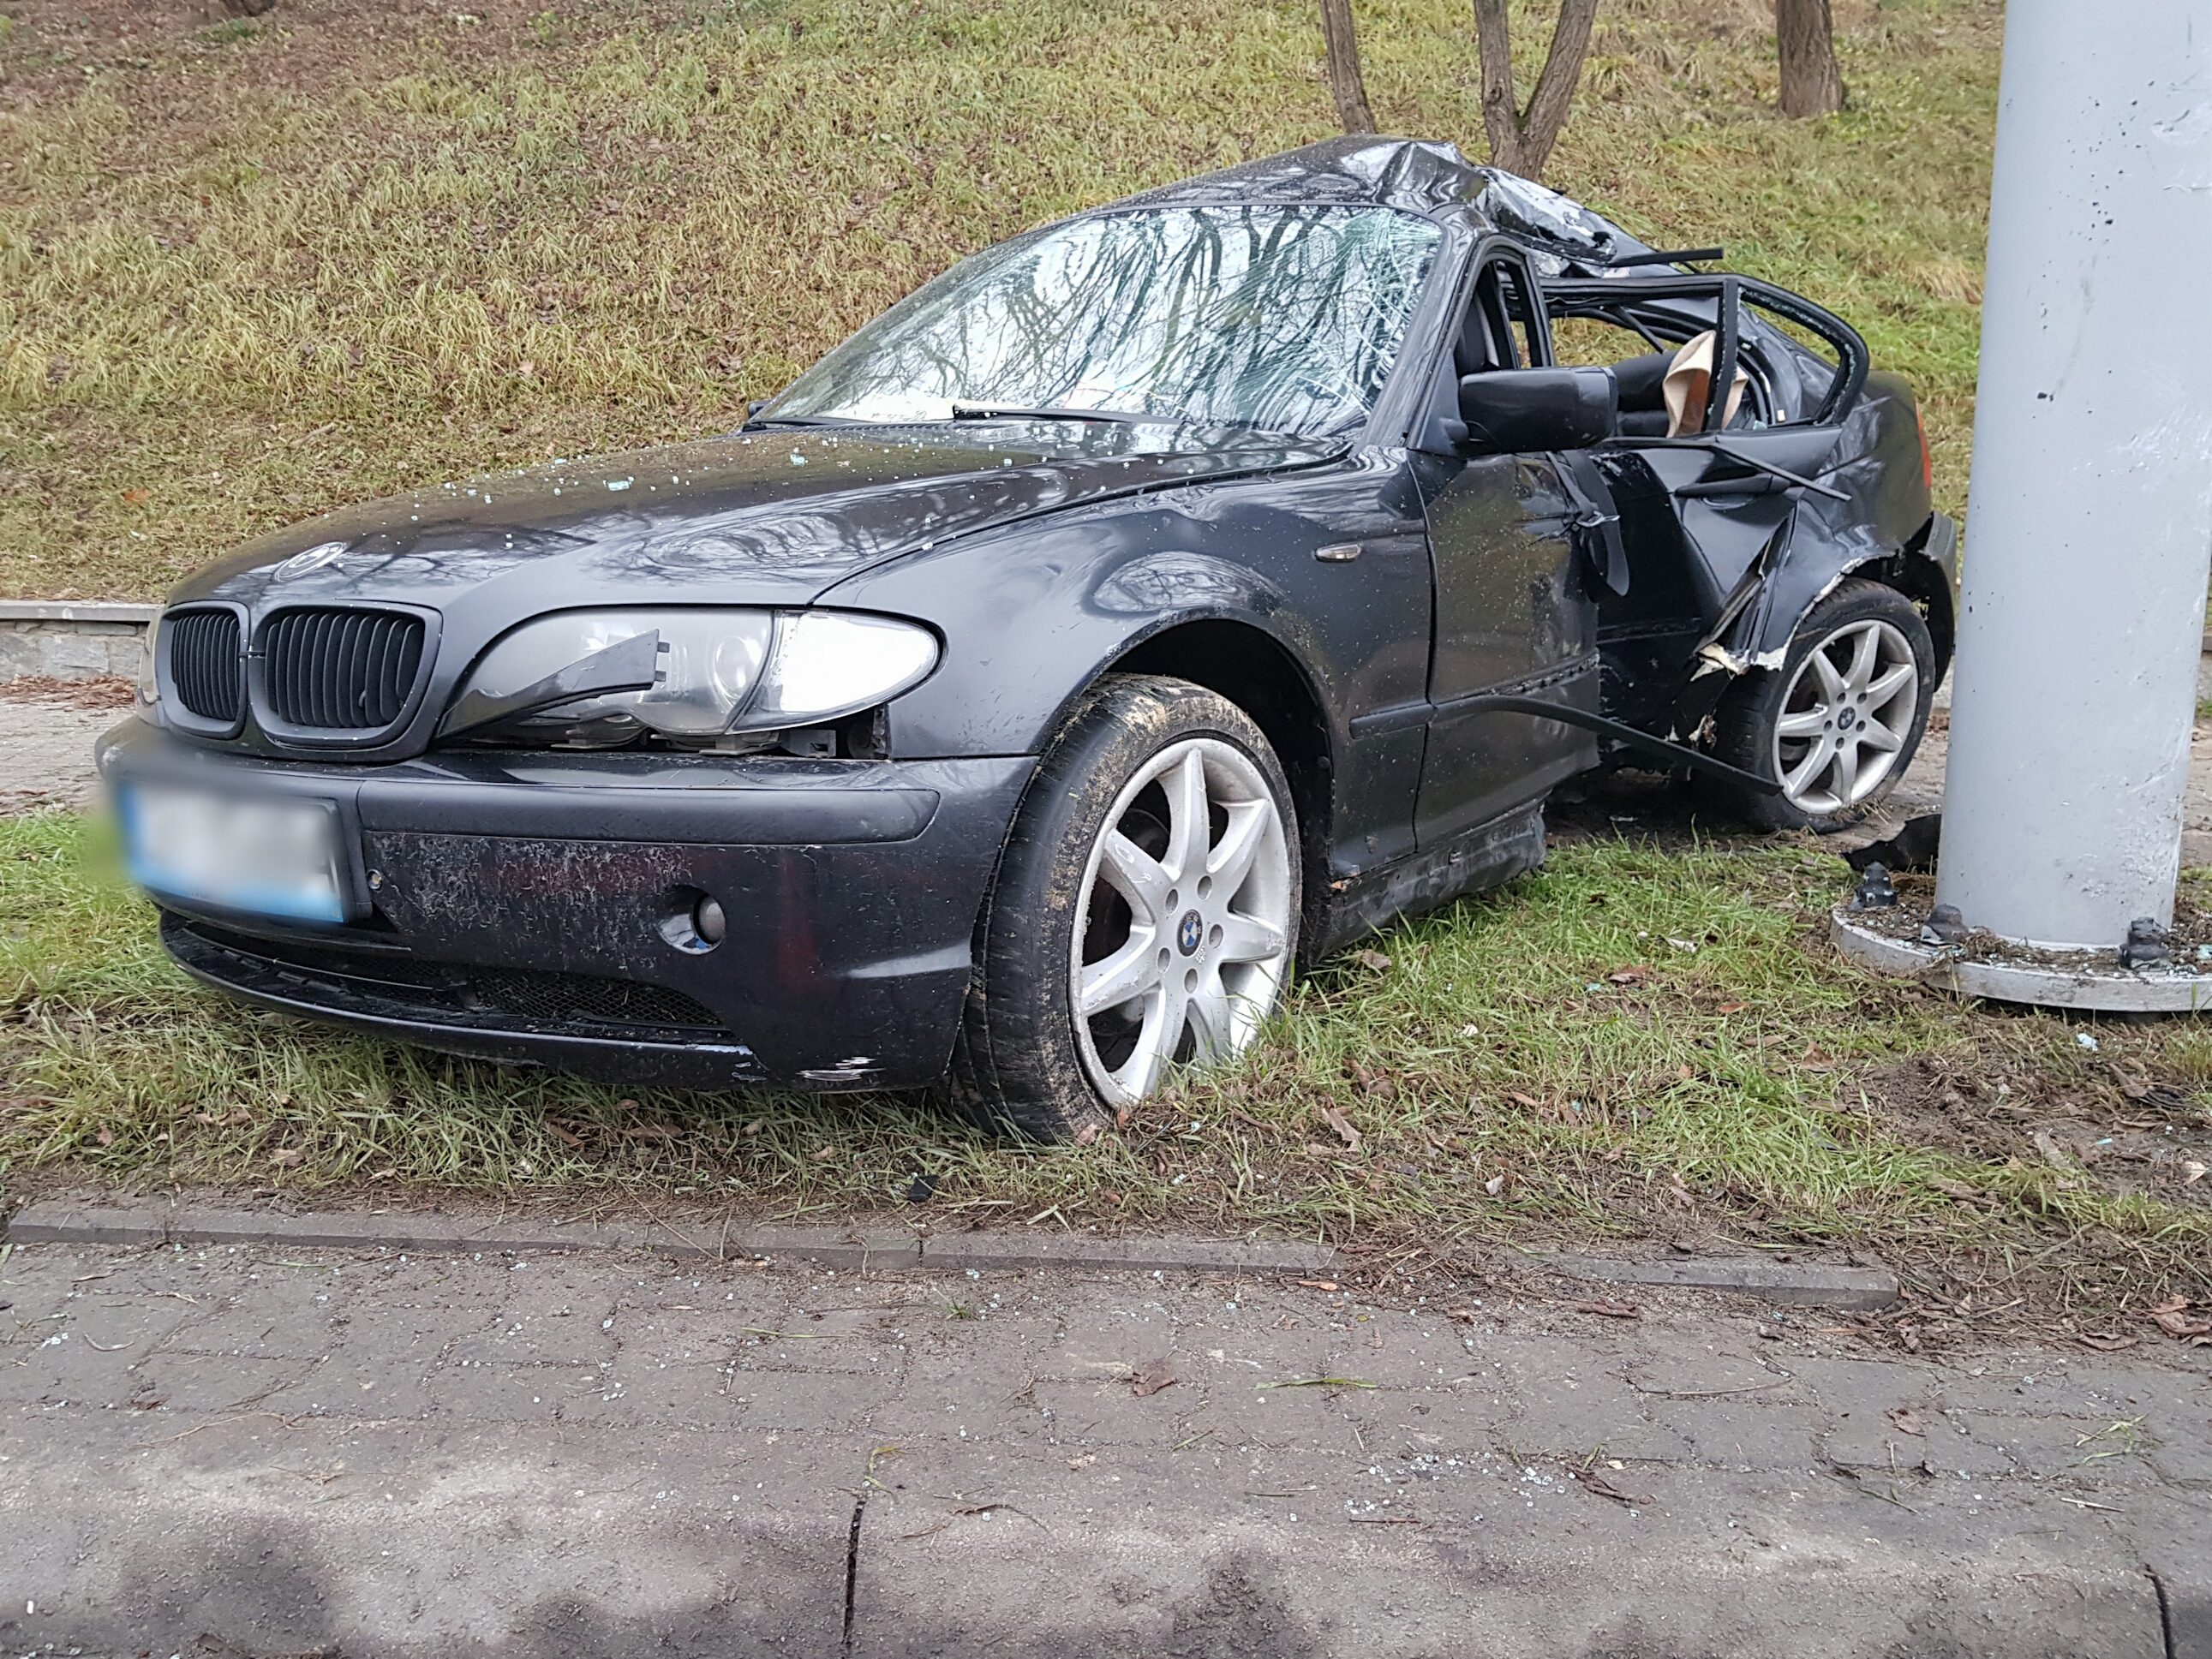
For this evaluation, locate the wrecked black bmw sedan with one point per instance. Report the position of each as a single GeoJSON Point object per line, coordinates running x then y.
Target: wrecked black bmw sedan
{"type": "Point", "coordinates": [1149, 602]}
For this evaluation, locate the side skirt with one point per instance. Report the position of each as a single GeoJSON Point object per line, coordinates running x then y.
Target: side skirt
{"type": "Point", "coordinates": [1488, 855]}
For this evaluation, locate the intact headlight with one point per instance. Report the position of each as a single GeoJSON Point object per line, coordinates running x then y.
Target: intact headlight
{"type": "Point", "coordinates": [690, 674]}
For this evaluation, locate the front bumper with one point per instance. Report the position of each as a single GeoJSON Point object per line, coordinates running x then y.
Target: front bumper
{"type": "Point", "coordinates": [528, 908]}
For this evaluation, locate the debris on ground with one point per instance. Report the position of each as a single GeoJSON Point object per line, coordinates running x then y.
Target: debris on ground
{"type": "Point", "coordinates": [1912, 848]}
{"type": "Point", "coordinates": [1149, 1378]}
{"type": "Point", "coordinates": [1595, 1483]}
{"type": "Point", "coordinates": [1610, 1310]}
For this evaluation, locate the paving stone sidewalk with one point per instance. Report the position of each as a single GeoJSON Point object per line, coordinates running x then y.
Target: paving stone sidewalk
{"type": "Point", "coordinates": [254, 1452]}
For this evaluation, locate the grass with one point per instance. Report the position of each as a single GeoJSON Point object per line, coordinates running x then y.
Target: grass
{"type": "Point", "coordinates": [1553, 1061]}
{"type": "Point", "coordinates": [253, 270]}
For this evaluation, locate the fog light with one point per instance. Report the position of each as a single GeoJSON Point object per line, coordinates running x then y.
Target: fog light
{"type": "Point", "coordinates": [691, 921]}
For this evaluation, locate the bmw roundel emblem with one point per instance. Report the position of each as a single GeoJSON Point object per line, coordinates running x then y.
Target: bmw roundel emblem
{"type": "Point", "coordinates": [314, 559]}
{"type": "Point", "coordinates": [1188, 931]}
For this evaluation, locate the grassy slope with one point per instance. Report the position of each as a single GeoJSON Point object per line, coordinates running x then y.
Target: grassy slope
{"type": "Point", "coordinates": [252, 271]}
{"type": "Point", "coordinates": [1562, 1039]}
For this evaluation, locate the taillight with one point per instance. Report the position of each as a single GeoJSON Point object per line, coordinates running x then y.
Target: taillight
{"type": "Point", "coordinates": [1927, 461]}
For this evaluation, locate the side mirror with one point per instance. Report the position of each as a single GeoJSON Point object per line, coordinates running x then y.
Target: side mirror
{"type": "Point", "coordinates": [1510, 410]}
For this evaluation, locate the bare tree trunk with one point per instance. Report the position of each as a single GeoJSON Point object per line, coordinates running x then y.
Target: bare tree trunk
{"type": "Point", "coordinates": [1805, 34]}
{"type": "Point", "coordinates": [1521, 140]}
{"type": "Point", "coordinates": [1345, 84]}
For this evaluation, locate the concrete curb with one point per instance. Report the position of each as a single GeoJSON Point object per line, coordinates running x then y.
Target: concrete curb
{"type": "Point", "coordinates": [1794, 1284]}
{"type": "Point", "coordinates": [63, 1222]}
{"type": "Point", "coordinates": [885, 1248]}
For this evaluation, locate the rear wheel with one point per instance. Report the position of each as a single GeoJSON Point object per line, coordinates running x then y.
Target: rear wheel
{"type": "Point", "coordinates": [1839, 723]}
{"type": "Point", "coordinates": [1144, 915]}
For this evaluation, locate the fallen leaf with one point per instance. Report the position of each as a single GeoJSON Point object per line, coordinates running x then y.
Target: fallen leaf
{"type": "Point", "coordinates": [2191, 1172]}
{"type": "Point", "coordinates": [566, 1137]}
{"type": "Point", "coordinates": [1318, 1284]}
{"type": "Point", "coordinates": [1151, 1377]}
{"type": "Point", "coordinates": [1629, 975]}
{"type": "Point", "coordinates": [2180, 1325]}
{"type": "Point", "coordinates": [1684, 1072]}
{"type": "Point", "coordinates": [1344, 1132]}
{"type": "Point", "coordinates": [289, 1157]}
{"type": "Point", "coordinates": [1910, 1335]}
{"type": "Point", "coordinates": [1610, 1310]}
{"type": "Point", "coordinates": [1595, 1483]}
{"type": "Point", "coordinates": [1731, 1008]}
{"type": "Point", "coordinates": [2105, 1341]}
{"type": "Point", "coordinates": [1908, 1421]}
{"type": "Point", "coordinates": [1086, 1134]}
{"type": "Point", "coordinates": [662, 1132]}
{"type": "Point", "coordinates": [105, 1137]}
{"type": "Point", "coordinates": [1529, 1100]}
{"type": "Point", "coordinates": [1494, 1186]}
{"type": "Point", "coordinates": [2171, 1304]}
{"type": "Point", "coordinates": [1374, 961]}
{"type": "Point", "coordinates": [1463, 1315]}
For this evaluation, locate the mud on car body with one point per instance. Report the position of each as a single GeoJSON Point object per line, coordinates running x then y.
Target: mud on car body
{"type": "Point", "coordinates": [1169, 595]}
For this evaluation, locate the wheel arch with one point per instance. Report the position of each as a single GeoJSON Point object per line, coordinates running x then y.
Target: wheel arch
{"type": "Point", "coordinates": [1250, 667]}
{"type": "Point", "coordinates": [1916, 570]}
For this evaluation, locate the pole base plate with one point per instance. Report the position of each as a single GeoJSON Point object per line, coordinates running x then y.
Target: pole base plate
{"type": "Point", "coordinates": [2095, 982]}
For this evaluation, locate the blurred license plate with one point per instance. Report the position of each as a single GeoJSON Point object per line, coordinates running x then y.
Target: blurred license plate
{"type": "Point", "coordinates": [277, 857]}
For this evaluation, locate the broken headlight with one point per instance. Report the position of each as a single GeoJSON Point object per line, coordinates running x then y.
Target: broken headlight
{"type": "Point", "coordinates": [692, 674]}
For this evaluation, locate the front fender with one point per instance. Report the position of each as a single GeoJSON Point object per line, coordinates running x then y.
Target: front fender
{"type": "Point", "coordinates": [1031, 617]}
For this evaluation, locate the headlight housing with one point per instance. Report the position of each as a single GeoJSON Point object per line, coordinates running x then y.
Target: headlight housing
{"type": "Point", "coordinates": [150, 679]}
{"type": "Point", "coordinates": [590, 678]}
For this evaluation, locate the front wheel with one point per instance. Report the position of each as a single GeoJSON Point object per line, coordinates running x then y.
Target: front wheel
{"type": "Point", "coordinates": [1144, 915]}
{"type": "Point", "coordinates": [1837, 725]}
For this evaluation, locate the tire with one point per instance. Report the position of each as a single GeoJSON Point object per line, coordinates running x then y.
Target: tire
{"type": "Point", "coordinates": [1862, 660]}
{"type": "Point", "coordinates": [1072, 905]}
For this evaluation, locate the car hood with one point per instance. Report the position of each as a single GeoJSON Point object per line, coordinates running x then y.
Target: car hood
{"type": "Point", "coordinates": [773, 516]}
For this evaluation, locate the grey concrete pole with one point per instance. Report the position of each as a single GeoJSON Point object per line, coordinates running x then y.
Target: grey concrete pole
{"type": "Point", "coordinates": [2089, 515]}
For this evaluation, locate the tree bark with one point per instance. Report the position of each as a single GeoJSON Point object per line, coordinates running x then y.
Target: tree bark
{"type": "Point", "coordinates": [1521, 140]}
{"type": "Point", "coordinates": [1805, 36]}
{"type": "Point", "coordinates": [1345, 84]}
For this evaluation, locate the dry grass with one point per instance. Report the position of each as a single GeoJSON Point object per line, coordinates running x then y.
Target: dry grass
{"type": "Point", "coordinates": [1554, 1061]}
{"type": "Point", "coordinates": [248, 272]}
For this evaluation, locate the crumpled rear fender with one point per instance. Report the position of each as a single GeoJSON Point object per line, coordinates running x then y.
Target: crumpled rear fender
{"type": "Point", "coordinates": [1884, 530]}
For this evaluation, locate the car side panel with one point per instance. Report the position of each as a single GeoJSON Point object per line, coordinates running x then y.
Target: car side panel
{"type": "Point", "coordinates": [1032, 615]}
{"type": "Point", "coordinates": [1513, 615]}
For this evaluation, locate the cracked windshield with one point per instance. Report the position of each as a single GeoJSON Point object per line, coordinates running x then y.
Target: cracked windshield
{"type": "Point", "coordinates": [1282, 319]}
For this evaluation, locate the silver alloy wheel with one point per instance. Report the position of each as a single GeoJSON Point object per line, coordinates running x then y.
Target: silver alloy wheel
{"type": "Point", "coordinates": [1182, 941]}
{"type": "Point", "coordinates": [1845, 717]}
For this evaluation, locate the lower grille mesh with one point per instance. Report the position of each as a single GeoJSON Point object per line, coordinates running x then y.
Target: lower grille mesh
{"type": "Point", "coordinates": [581, 1005]}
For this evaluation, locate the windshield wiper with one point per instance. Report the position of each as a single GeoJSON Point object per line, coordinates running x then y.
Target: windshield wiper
{"type": "Point", "coordinates": [759, 420]}
{"type": "Point", "coordinates": [1001, 413]}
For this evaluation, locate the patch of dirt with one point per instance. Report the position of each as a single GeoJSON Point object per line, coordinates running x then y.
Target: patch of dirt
{"type": "Point", "coordinates": [106, 691]}
{"type": "Point", "coordinates": [2115, 1128]}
